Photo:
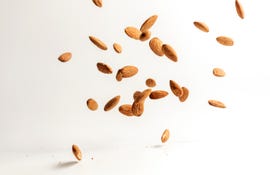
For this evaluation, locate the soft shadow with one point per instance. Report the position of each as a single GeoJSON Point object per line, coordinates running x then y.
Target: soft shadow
{"type": "Point", "coordinates": [65, 164]}
{"type": "Point", "coordinates": [156, 146]}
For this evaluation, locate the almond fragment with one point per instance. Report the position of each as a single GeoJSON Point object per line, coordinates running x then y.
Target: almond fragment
{"type": "Point", "coordinates": [98, 3]}
{"type": "Point", "coordinates": [65, 57]}
{"type": "Point", "coordinates": [150, 82]}
{"type": "Point", "coordinates": [185, 94]}
{"type": "Point", "coordinates": [176, 89]}
{"type": "Point", "coordinates": [216, 103]}
{"type": "Point", "coordinates": [157, 94]}
{"type": "Point", "coordinates": [98, 43]}
{"type": "Point", "coordinates": [156, 46]}
{"type": "Point", "coordinates": [239, 9]}
{"type": "Point", "coordinates": [169, 52]}
{"type": "Point", "coordinates": [218, 72]}
{"type": "Point", "coordinates": [104, 68]}
{"type": "Point", "coordinates": [129, 71]}
{"type": "Point", "coordinates": [92, 104]}
{"type": "Point", "coordinates": [145, 35]}
{"type": "Point", "coordinates": [165, 136]}
{"type": "Point", "coordinates": [224, 40]}
{"type": "Point", "coordinates": [112, 103]}
{"type": "Point", "coordinates": [148, 23]}
{"type": "Point", "coordinates": [117, 47]}
{"type": "Point", "coordinates": [202, 26]}
{"type": "Point", "coordinates": [126, 109]}
{"type": "Point", "coordinates": [133, 32]}
{"type": "Point", "coordinates": [77, 152]}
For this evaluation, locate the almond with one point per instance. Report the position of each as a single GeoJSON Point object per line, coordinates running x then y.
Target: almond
{"type": "Point", "coordinates": [77, 152]}
{"type": "Point", "coordinates": [176, 89]}
{"type": "Point", "coordinates": [119, 76]}
{"type": "Point", "coordinates": [138, 108]}
{"type": "Point", "coordinates": [98, 3]}
{"type": "Point", "coordinates": [169, 52]}
{"type": "Point", "coordinates": [112, 103]}
{"type": "Point", "coordinates": [157, 94]}
{"type": "Point", "coordinates": [224, 40]}
{"type": "Point", "coordinates": [185, 94]}
{"type": "Point", "coordinates": [65, 57]}
{"type": "Point", "coordinates": [148, 23]}
{"type": "Point", "coordinates": [145, 35]}
{"type": "Point", "coordinates": [143, 95]}
{"type": "Point", "coordinates": [104, 68]}
{"type": "Point", "coordinates": [133, 32]}
{"type": "Point", "coordinates": [156, 46]}
{"type": "Point", "coordinates": [165, 136]}
{"type": "Point", "coordinates": [202, 26]}
{"type": "Point", "coordinates": [216, 103]}
{"type": "Point", "coordinates": [218, 72]}
{"type": "Point", "coordinates": [239, 9]}
{"type": "Point", "coordinates": [129, 71]}
{"type": "Point", "coordinates": [117, 47]}
{"type": "Point", "coordinates": [98, 43]}
{"type": "Point", "coordinates": [136, 95]}
{"type": "Point", "coordinates": [92, 104]}
{"type": "Point", "coordinates": [126, 109]}
{"type": "Point", "coordinates": [150, 82]}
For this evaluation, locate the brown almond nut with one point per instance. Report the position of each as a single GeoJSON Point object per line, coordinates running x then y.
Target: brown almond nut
{"type": "Point", "coordinates": [92, 104]}
{"type": "Point", "coordinates": [98, 3]}
{"type": "Point", "coordinates": [165, 136]}
{"type": "Point", "coordinates": [145, 35]}
{"type": "Point", "coordinates": [239, 9]}
{"type": "Point", "coordinates": [216, 103]}
{"type": "Point", "coordinates": [148, 23]}
{"type": "Point", "coordinates": [157, 94]}
{"type": "Point", "coordinates": [112, 103]}
{"type": "Point", "coordinates": [137, 108]}
{"type": "Point", "coordinates": [156, 46]}
{"type": "Point", "coordinates": [104, 68]}
{"type": "Point", "coordinates": [126, 109]}
{"type": "Point", "coordinates": [169, 52]}
{"type": "Point", "coordinates": [119, 75]}
{"type": "Point", "coordinates": [133, 32]}
{"type": "Point", "coordinates": [136, 95]}
{"type": "Point", "coordinates": [185, 94]}
{"type": "Point", "coordinates": [143, 95]}
{"type": "Point", "coordinates": [224, 40]}
{"type": "Point", "coordinates": [176, 89]}
{"type": "Point", "coordinates": [150, 82]}
{"type": "Point", "coordinates": [202, 26]}
{"type": "Point", "coordinates": [77, 152]}
{"type": "Point", "coordinates": [117, 47]}
{"type": "Point", "coordinates": [65, 57]}
{"type": "Point", "coordinates": [218, 72]}
{"type": "Point", "coordinates": [98, 43]}
{"type": "Point", "coordinates": [129, 71]}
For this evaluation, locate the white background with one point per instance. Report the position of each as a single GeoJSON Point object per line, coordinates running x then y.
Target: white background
{"type": "Point", "coordinates": [43, 101]}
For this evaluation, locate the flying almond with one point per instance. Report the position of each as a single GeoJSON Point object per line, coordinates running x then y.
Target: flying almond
{"type": "Point", "coordinates": [165, 136]}
{"type": "Point", "coordinates": [145, 35]}
{"type": "Point", "coordinates": [133, 32]}
{"type": "Point", "coordinates": [224, 40]}
{"type": "Point", "coordinates": [239, 9]}
{"type": "Point", "coordinates": [92, 104]}
{"type": "Point", "coordinates": [185, 94]}
{"type": "Point", "coordinates": [157, 94]}
{"type": "Point", "coordinates": [77, 152]}
{"type": "Point", "coordinates": [169, 52]}
{"type": "Point", "coordinates": [65, 57]}
{"type": "Point", "coordinates": [156, 46]}
{"type": "Point", "coordinates": [112, 103]}
{"type": "Point", "coordinates": [137, 108]}
{"type": "Point", "coordinates": [176, 89]}
{"type": "Point", "coordinates": [150, 82]}
{"type": "Point", "coordinates": [104, 68]}
{"type": "Point", "coordinates": [119, 75]}
{"type": "Point", "coordinates": [98, 3]}
{"type": "Point", "coordinates": [129, 71]}
{"type": "Point", "coordinates": [218, 72]}
{"type": "Point", "coordinates": [148, 23]}
{"type": "Point", "coordinates": [126, 109]}
{"type": "Point", "coordinates": [202, 26]}
{"type": "Point", "coordinates": [117, 47]}
{"type": "Point", "coordinates": [143, 95]}
{"type": "Point", "coordinates": [216, 103]}
{"type": "Point", "coordinates": [98, 43]}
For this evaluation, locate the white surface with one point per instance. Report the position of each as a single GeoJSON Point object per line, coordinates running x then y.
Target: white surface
{"type": "Point", "coordinates": [43, 101]}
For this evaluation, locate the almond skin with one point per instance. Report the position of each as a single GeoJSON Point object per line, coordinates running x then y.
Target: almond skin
{"type": "Point", "coordinates": [165, 136]}
{"type": "Point", "coordinates": [216, 103]}
{"type": "Point", "coordinates": [126, 109]}
{"type": "Point", "coordinates": [157, 94]}
{"type": "Point", "coordinates": [77, 152]}
{"type": "Point", "coordinates": [185, 94]}
{"type": "Point", "coordinates": [112, 103]}
{"type": "Point", "coordinates": [104, 68]}
{"type": "Point", "coordinates": [98, 3]}
{"type": "Point", "coordinates": [148, 23]}
{"type": "Point", "coordinates": [129, 71]}
{"type": "Point", "coordinates": [145, 35]}
{"type": "Point", "coordinates": [133, 32]}
{"type": "Point", "coordinates": [65, 57]}
{"type": "Point", "coordinates": [150, 82]}
{"type": "Point", "coordinates": [156, 46]}
{"type": "Point", "coordinates": [224, 40]}
{"type": "Point", "coordinates": [117, 47]}
{"type": "Point", "coordinates": [176, 89]}
{"type": "Point", "coordinates": [169, 52]}
{"type": "Point", "coordinates": [202, 26]}
{"type": "Point", "coordinates": [98, 43]}
{"type": "Point", "coordinates": [218, 72]}
{"type": "Point", "coordinates": [92, 104]}
{"type": "Point", "coordinates": [239, 9]}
